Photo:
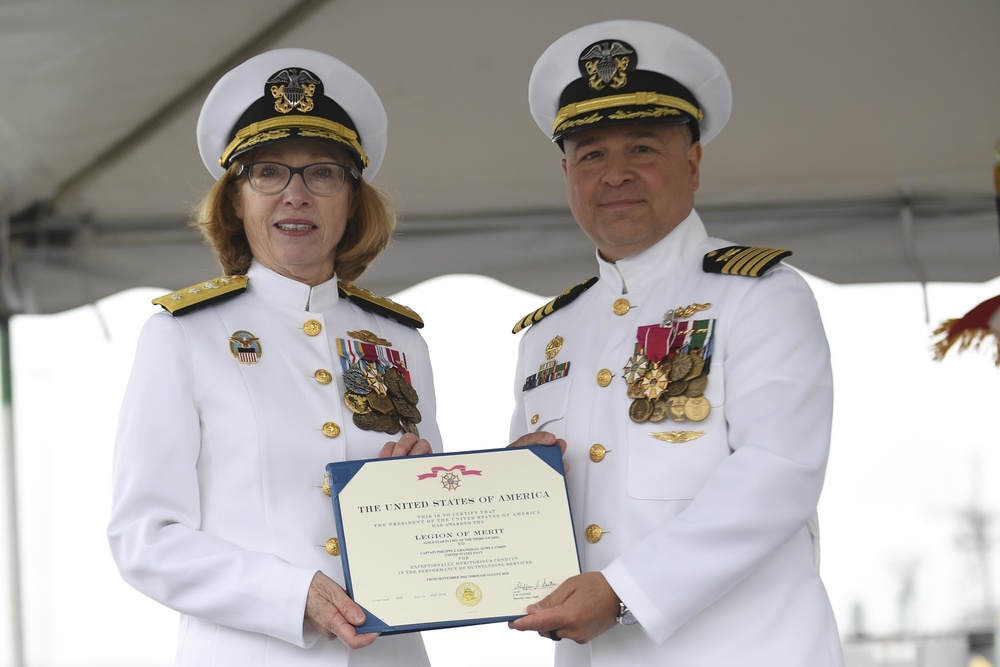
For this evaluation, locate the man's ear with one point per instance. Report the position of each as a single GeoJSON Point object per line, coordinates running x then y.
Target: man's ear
{"type": "Point", "coordinates": [694, 159]}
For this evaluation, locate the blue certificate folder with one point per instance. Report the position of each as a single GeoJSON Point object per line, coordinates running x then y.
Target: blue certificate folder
{"type": "Point", "coordinates": [492, 553]}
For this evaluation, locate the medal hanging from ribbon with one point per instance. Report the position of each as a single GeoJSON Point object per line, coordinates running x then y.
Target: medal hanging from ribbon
{"type": "Point", "coordinates": [379, 392]}
{"type": "Point", "coordinates": [668, 371]}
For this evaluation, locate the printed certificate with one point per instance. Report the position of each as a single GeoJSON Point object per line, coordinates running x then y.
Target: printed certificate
{"type": "Point", "coordinates": [453, 539]}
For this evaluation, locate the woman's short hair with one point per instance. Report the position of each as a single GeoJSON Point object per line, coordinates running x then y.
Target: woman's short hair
{"type": "Point", "coordinates": [369, 228]}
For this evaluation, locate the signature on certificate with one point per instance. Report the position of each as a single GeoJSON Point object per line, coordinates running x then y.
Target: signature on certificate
{"type": "Point", "coordinates": [539, 584]}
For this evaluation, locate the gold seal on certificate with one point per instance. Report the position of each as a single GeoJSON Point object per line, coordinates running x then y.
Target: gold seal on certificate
{"type": "Point", "coordinates": [469, 594]}
{"type": "Point", "coordinates": [454, 539]}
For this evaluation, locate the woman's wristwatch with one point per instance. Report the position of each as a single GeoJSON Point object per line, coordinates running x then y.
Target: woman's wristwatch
{"type": "Point", "coordinates": [625, 617]}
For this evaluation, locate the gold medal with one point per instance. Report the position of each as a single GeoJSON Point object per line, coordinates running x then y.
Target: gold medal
{"type": "Point", "coordinates": [635, 368]}
{"type": "Point", "coordinates": [365, 421]}
{"type": "Point", "coordinates": [680, 366]}
{"type": "Point", "coordinates": [400, 387]}
{"type": "Point", "coordinates": [552, 349]}
{"type": "Point", "coordinates": [654, 383]}
{"type": "Point", "coordinates": [659, 410]}
{"type": "Point", "coordinates": [697, 366]}
{"type": "Point", "coordinates": [406, 410]}
{"type": "Point", "coordinates": [376, 381]}
{"type": "Point", "coordinates": [676, 388]}
{"type": "Point", "coordinates": [386, 423]}
{"type": "Point", "coordinates": [380, 402]}
{"type": "Point", "coordinates": [697, 408]}
{"type": "Point", "coordinates": [675, 408]}
{"type": "Point", "coordinates": [357, 403]}
{"type": "Point", "coordinates": [635, 390]}
{"type": "Point", "coordinates": [696, 387]}
{"type": "Point", "coordinates": [641, 410]}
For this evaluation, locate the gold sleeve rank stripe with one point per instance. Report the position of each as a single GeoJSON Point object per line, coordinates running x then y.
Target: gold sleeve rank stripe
{"type": "Point", "coordinates": [563, 299]}
{"type": "Point", "coordinates": [380, 305]}
{"type": "Point", "coordinates": [738, 260]}
{"type": "Point", "coordinates": [190, 298]}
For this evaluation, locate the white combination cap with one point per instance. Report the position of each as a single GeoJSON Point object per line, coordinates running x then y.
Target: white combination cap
{"type": "Point", "coordinates": [624, 72]}
{"type": "Point", "coordinates": [292, 94]}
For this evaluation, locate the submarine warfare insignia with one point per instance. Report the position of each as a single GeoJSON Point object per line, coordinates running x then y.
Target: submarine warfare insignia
{"type": "Point", "coordinates": [667, 374]}
{"type": "Point", "coordinates": [550, 369]}
{"type": "Point", "coordinates": [379, 392]}
{"type": "Point", "coordinates": [245, 347]}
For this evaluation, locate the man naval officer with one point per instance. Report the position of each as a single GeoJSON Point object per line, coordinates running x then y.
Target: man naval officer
{"type": "Point", "coordinates": [691, 382]}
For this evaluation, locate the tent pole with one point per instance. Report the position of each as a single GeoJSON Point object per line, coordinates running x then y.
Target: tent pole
{"type": "Point", "coordinates": [14, 564]}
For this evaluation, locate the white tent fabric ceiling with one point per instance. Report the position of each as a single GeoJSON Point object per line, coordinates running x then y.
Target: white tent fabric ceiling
{"type": "Point", "coordinates": [862, 135]}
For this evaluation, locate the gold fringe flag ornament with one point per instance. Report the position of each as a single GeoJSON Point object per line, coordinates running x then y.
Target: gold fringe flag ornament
{"type": "Point", "coordinates": [970, 330]}
{"type": "Point", "coordinates": [981, 322]}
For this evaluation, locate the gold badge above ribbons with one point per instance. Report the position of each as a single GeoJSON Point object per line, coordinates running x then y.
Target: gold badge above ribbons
{"type": "Point", "coordinates": [550, 369]}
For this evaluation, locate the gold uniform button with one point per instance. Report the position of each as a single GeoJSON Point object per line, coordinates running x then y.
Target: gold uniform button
{"type": "Point", "coordinates": [331, 429]}
{"type": "Point", "coordinates": [326, 485]}
{"type": "Point", "coordinates": [312, 327]}
{"type": "Point", "coordinates": [323, 376]}
{"type": "Point", "coordinates": [604, 377]}
{"type": "Point", "coordinates": [333, 546]}
{"type": "Point", "coordinates": [534, 419]}
{"type": "Point", "coordinates": [620, 306]}
{"type": "Point", "coordinates": [594, 533]}
{"type": "Point", "coordinates": [597, 453]}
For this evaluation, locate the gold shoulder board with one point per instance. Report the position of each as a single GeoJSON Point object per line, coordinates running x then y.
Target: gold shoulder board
{"type": "Point", "coordinates": [741, 260]}
{"type": "Point", "coordinates": [188, 299]}
{"type": "Point", "coordinates": [380, 305]}
{"type": "Point", "coordinates": [552, 306]}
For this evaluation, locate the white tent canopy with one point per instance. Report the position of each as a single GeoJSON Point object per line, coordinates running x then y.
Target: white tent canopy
{"type": "Point", "coordinates": [862, 135]}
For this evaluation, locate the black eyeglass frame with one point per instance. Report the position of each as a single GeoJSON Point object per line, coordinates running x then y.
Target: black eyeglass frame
{"type": "Point", "coordinates": [345, 169]}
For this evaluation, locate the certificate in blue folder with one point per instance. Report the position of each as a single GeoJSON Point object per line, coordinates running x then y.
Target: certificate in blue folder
{"type": "Point", "coordinates": [447, 540]}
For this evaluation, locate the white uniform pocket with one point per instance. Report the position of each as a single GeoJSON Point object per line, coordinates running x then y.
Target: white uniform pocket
{"type": "Point", "coordinates": [670, 460]}
{"type": "Point", "coordinates": [545, 407]}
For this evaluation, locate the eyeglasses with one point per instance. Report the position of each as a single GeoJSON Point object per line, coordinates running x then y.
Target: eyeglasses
{"type": "Point", "coordinates": [321, 178]}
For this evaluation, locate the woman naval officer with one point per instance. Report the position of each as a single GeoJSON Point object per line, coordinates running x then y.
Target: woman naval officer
{"type": "Point", "coordinates": [247, 385]}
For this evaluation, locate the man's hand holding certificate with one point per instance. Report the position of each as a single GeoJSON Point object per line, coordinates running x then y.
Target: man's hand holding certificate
{"type": "Point", "coordinates": [453, 539]}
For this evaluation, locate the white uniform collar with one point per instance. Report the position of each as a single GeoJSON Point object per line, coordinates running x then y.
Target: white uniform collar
{"type": "Point", "coordinates": [291, 293]}
{"type": "Point", "coordinates": [649, 266]}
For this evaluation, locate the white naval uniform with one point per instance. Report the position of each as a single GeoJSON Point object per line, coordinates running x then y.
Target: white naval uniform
{"type": "Point", "coordinates": [711, 543]}
{"type": "Point", "coordinates": [218, 508]}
